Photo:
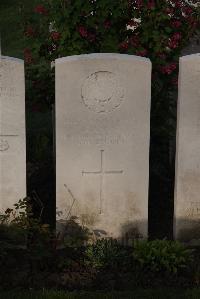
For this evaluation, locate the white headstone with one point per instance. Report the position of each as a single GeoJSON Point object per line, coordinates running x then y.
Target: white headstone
{"type": "Point", "coordinates": [12, 132]}
{"type": "Point", "coordinates": [187, 186]}
{"type": "Point", "coordinates": [102, 142]}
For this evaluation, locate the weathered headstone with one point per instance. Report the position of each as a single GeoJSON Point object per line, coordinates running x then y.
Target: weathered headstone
{"type": "Point", "coordinates": [12, 132]}
{"type": "Point", "coordinates": [187, 186]}
{"type": "Point", "coordinates": [102, 142]}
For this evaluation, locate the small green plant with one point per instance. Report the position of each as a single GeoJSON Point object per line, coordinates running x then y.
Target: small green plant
{"type": "Point", "coordinates": [14, 224]}
{"type": "Point", "coordinates": [106, 253]}
{"type": "Point", "coordinates": [18, 227]}
{"type": "Point", "coordinates": [20, 219]}
{"type": "Point", "coordinates": [162, 256]}
{"type": "Point", "coordinates": [74, 235]}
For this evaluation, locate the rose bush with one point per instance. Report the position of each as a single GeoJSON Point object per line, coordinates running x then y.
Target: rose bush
{"type": "Point", "coordinates": [155, 29]}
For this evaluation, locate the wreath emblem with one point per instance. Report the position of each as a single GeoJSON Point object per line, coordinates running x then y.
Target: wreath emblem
{"type": "Point", "coordinates": [102, 92]}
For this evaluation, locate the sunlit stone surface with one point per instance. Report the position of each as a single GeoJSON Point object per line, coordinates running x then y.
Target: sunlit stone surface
{"type": "Point", "coordinates": [12, 132]}
{"type": "Point", "coordinates": [187, 189]}
{"type": "Point", "coordinates": [102, 142]}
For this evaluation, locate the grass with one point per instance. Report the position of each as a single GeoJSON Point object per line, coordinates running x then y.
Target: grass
{"type": "Point", "coordinates": [138, 294]}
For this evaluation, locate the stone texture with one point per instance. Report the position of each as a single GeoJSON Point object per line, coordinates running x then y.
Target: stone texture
{"type": "Point", "coordinates": [187, 185]}
{"type": "Point", "coordinates": [12, 132]}
{"type": "Point", "coordinates": [102, 142]}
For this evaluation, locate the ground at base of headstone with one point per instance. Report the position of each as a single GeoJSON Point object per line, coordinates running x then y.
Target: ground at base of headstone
{"type": "Point", "coordinates": [73, 263]}
{"type": "Point", "coordinates": [102, 266]}
{"type": "Point", "coordinates": [167, 293]}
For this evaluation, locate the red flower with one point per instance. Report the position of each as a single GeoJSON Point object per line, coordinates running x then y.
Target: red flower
{"type": "Point", "coordinates": [169, 10]}
{"type": "Point", "coordinates": [138, 3]}
{"type": "Point", "coordinates": [174, 81]}
{"type": "Point", "coordinates": [107, 24]}
{"type": "Point", "coordinates": [28, 56]}
{"type": "Point", "coordinates": [176, 23]}
{"type": "Point", "coordinates": [161, 55]}
{"type": "Point", "coordinates": [177, 36]}
{"type": "Point", "coordinates": [150, 4]}
{"type": "Point", "coordinates": [40, 9]}
{"type": "Point", "coordinates": [124, 45]}
{"type": "Point", "coordinates": [55, 35]}
{"type": "Point", "coordinates": [193, 22]}
{"type": "Point", "coordinates": [91, 37]}
{"type": "Point", "coordinates": [187, 10]}
{"type": "Point", "coordinates": [134, 41]}
{"type": "Point", "coordinates": [168, 69]}
{"type": "Point", "coordinates": [174, 40]}
{"type": "Point", "coordinates": [142, 52]}
{"type": "Point", "coordinates": [29, 32]}
{"type": "Point", "coordinates": [82, 31]}
{"type": "Point", "coordinates": [173, 44]}
{"type": "Point", "coordinates": [177, 3]}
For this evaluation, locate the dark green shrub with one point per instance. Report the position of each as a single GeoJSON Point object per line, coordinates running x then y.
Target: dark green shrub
{"type": "Point", "coordinates": [106, 253]}
{"type": "Point", "coordinates": [25, 246]}
{"type": "Point", "coordinates": [162, 256]}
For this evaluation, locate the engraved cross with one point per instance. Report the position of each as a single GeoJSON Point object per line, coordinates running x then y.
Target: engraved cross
{"type": "Point", "coordinates": [102, 172]}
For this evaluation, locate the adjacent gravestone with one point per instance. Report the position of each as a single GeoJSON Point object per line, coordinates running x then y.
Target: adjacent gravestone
{"type": "Point", "coordinates": [12, 132]}
{"type": "Point", "coordinates": [187, 190]}
{"type": "Point", "coordinates": [102, 142]}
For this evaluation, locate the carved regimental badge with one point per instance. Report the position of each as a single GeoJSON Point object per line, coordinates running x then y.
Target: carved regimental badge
{"type": "Point", "coordinates": [4, 146]}
{"type": "Point", "coordinates": [102, 92]}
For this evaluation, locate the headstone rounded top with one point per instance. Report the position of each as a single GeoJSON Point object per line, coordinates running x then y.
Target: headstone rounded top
{"type": "Point", "coordinates": [102, 92]}
{"type": "Point", "coordinates": [102, 56]}
{"type": "Point", "coordinates": [190, 56]}
{"type": "Point", "coordinates": [7, 58]}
